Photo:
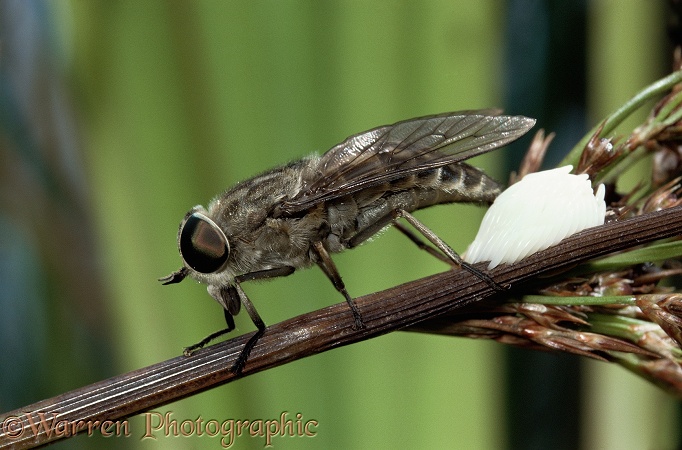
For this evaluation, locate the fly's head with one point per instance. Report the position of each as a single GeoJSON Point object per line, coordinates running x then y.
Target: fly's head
{"type": "Point", "coordinates": [204, 248]}
{"type": "Point", "coordinates": [205, 252]}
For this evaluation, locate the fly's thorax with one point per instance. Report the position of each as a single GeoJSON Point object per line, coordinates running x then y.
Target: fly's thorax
{"type": "Point", "coordinates": [246, 205]}
{"type": "Point", "coordinates": [342, 213]}
{"type": "Point", "coordinates": [257, 240]}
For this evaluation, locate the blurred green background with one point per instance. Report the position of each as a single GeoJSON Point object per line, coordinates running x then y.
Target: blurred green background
{"type": "Point", "coordinates": [117, 117]}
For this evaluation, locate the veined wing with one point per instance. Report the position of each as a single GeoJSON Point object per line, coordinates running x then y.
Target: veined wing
{"type": "Point", "coordinates": [393, 151]}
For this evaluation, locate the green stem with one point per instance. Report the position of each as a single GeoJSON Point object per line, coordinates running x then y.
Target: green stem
{"type": "Point", "coordinates": [579, 300]}
{"type": "Point", "coordinates": [620, 326]}
{"type": "Point", "coordinates": [617, 117]}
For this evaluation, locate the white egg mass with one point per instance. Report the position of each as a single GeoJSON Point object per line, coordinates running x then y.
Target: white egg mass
{"type": "Point", "coordinates": [536, 213]}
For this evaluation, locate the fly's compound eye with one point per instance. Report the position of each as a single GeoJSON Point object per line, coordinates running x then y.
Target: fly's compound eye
{"type": "Point", "coordinates": [203, 244]}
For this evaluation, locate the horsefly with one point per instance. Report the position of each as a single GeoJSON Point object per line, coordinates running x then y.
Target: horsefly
{"type": "Point", "coordinates": [296, 215]}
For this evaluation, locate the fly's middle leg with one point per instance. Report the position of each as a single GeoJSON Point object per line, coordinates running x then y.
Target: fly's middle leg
{"type": "Point", "coordinates": [329, 268]}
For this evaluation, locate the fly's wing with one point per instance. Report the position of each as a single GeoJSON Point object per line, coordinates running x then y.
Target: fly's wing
{"type": "Point", "coordinates": [393, 151]}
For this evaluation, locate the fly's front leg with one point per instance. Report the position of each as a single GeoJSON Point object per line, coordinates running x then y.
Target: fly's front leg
{"type": "Point", "coordinates": [251, 310]}
{"type": "Point", "coordinates": [445, 248]}
{"type": "Point", "coordinates": [329, 268]}
{"type": "Point", "coordinates": [231, 297]}
{"type": "Point", "coordinates": [187, 351]}
{"type": "Point", "coordinates": [255, 317]}
{"type": "Point", "coordinates": [175, 277]}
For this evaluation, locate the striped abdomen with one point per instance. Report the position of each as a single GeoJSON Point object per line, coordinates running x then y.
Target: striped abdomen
{"type": "Point", "coordinates": [456, 183]}
{"type": "Point", "coordinates": [449, 184]}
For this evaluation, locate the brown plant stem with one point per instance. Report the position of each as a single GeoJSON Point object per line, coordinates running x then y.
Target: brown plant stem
{"type": "Point", "coordinates": [318, 331]}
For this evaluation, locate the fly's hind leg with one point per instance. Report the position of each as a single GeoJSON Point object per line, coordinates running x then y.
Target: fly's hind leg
{"type": "Point", "coordinates": [329, 268]}
{"type": "Point", "coordinates": [421, 244]}
{"type": "Point", "coordinates": [452, 256]}
{"type": "Point", "coordinates": [445, 248]}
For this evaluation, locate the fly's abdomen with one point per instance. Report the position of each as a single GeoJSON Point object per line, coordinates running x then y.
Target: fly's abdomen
{"type": "Point", "coordinates": [460, 183]}
{"type": "Point", "coordinates": [456, 183]}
